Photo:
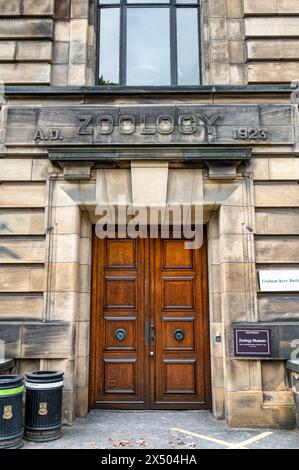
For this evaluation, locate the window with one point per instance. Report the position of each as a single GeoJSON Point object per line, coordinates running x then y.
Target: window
{"type": "Point", "coordinates": [148, 42]}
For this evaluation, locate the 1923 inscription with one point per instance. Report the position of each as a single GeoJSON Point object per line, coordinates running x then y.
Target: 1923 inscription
{"type": "Point", "coordinates": [252, 133]}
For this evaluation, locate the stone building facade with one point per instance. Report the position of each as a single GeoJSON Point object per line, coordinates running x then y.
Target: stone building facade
{"type": "Point", "coordinates": [69, 145]}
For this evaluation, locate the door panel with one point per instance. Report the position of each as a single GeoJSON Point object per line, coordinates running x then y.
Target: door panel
{"type": "Point", "coordinates": [118, 378]}
{"type": "Point", "coordinates": [181, 353]}
{"type": "Point", "coordinates": [149, 337]}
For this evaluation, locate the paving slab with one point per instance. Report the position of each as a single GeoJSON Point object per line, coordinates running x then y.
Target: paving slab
{"type": "Point", "coordinates": [164, 430]}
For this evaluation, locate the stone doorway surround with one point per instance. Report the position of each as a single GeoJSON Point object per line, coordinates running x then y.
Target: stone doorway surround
{"type": "Point", "coordinates": [229, 214]}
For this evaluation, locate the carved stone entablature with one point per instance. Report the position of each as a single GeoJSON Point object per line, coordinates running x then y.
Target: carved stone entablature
{"type": "Point", "coordinates": [221, 162]}
{"type": "Point", "coordinates": [155, 126]}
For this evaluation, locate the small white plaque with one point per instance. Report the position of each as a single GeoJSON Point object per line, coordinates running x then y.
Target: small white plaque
{"type": "Point", "coordinates": [279, 280]}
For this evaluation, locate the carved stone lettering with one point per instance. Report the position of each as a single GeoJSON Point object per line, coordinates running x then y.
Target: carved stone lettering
{"type": "Point", "coordinates": [39, 135]}
{"type": "Point", "coordinates": [104, 125]}
{"type": "Point", "coordinates": [150, 125]}
{"type": "Point", "coordinates": [50, 136]}
{"type": "Point", "coordinates": [127, 125]}
{"type": "Point", "coordinates": [86, 121]}
{"type": "Point", "coordinates": [165, 125]}
{"type": "Point", "coordinates": [187, 124]}
{"type": "Point", "coordinates": [144, 128]}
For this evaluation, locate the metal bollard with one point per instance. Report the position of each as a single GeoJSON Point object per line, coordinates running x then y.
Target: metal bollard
{"type": "Point", "coordinates": [11, 421]}
{"type": "Point", "coordinates": [43, 406]}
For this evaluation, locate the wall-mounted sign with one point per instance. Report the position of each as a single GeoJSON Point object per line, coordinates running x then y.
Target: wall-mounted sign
{"type": "Point", "coordinates": [252, 342]}
{"type": "Point", "coordinates": [279, 280]}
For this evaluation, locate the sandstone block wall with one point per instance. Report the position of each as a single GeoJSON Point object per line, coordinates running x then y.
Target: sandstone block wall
{"type": "Point", "coordinates": [242, 41]}
{"type": "Point", "coordinates": [26, 35]}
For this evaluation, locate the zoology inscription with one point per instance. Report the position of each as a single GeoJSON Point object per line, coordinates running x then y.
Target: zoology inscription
{"type": "Point", "coordinates": [149, 125]}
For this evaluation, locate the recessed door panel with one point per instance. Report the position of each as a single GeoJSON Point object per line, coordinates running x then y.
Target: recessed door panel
{"type": "Point", "coordinates": [178, 292]}
{"type": "Point", "coordinates": [120, 292]}
{"type": "Point", "coordinates": [121, 254]}
{"type": "Point", "coordinates": [175, 255]}
{"type": "Point", "coordinates": [179, 376]}
{"type": "Point", "coordinates": [120, 333]}
{"type": "Point", "coordinates": [120, 376]}
{"type": "Point", "coordinates": [178, 334]}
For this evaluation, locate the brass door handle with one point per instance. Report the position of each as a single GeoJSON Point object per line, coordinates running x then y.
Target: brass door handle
{"type": "Point", "coordinates": [149, 333]}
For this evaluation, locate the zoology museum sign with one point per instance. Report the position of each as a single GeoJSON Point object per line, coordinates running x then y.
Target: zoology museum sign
{"type": "Point", "coordinates": [148, 125]}
{"type": "Point", "coordinates": [252, 342]}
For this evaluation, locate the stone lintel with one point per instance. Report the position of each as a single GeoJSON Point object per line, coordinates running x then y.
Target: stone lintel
{"type": "Point", "coordinates": [221, 161]}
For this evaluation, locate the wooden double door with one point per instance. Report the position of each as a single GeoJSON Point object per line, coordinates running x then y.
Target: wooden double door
{"type": "Point", "coordinates": [149, 329]}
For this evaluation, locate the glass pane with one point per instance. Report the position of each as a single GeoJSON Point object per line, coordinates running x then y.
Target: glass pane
{"type": "Point", "coordinates": [109, 47]}
{"type": "Point", "coordinates": [148, 46]}
{"type": "Point", "coordinates": [186, 1]}
{"type": "Point", "coordinates": [102, 2]}
{"type": "Point", "coordinates": [187, 37]}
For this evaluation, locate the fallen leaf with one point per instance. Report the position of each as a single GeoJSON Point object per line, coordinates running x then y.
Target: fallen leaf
{"type": "Point", "coordinates": [192, 445]}
{"type": "Point", "coordinates": [123, 443]}
{"type": "Point", "coordinates": [181, 442]}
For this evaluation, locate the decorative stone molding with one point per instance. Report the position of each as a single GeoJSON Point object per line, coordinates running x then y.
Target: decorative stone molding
{"type": "Point", "coordinates": [221, 162]}
{"type": "Point", "coordinates": [78, 171]}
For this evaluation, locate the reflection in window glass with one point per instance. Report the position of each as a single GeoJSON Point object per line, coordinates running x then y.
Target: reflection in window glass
{"type": "Point", "coordinates": [187, 45]}
{"type": "Point", "coordinates": [109, 47]}
{"type": "Point", "coordinates": [148, 46]}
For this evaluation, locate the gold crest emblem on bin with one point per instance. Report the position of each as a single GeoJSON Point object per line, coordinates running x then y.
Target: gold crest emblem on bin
{"type": "Point", "coordinates": [7, 412]}
{"type": "Point", "coordinates": [43, 409]}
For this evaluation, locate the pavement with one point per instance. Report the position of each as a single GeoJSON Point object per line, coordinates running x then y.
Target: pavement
{"type": "Point", "coordinates": [164, 430]}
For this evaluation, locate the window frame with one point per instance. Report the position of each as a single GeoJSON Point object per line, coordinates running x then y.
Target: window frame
{"type": "Point", "coordinates": [123, 5]}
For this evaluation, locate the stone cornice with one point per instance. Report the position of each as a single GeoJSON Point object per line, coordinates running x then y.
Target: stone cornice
{"type": "Point", "coordinates": [221, 162]}
{"type": "Point", "coordinates": [153, 91]}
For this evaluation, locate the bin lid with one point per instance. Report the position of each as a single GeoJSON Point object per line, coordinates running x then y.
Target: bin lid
{"type": "Point", "coordinates": [293, 365]}
{"type": "Point", "coordinates": [10, 381]}
{"type": "Point", "coordinates": [44, 376]}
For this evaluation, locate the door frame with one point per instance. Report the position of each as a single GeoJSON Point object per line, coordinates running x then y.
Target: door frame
{"type": "Point", "coordinates": [148, 386]}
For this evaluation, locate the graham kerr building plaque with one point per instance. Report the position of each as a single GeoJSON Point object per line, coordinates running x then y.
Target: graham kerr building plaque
{"type": "Point", "coordinates": [252, 342]}
{"type": "Point", "coordinates": [286, 280]}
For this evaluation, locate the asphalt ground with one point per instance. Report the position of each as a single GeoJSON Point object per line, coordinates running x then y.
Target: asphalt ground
{"type": "Point", "coordinates": [164, 430]}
